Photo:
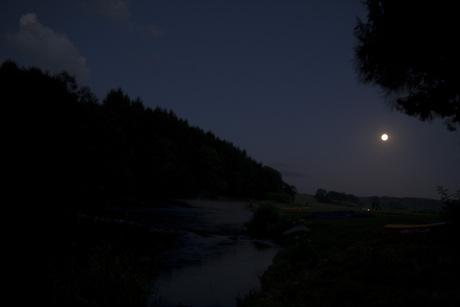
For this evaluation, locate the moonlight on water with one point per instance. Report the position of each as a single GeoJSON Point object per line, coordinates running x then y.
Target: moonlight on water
{"type": "Point", "coordinates": [384, 137]}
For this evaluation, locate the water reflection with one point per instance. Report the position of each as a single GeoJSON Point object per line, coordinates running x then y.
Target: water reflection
{"type": "Point", "coordinates": [213, 263]}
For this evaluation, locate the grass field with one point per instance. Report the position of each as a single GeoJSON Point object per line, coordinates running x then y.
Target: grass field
{"type": "Point", "coordinates": [350, 262]}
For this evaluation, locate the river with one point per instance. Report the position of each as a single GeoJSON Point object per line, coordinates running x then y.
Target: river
{"type": "Point", "coordinates": [211, 262]}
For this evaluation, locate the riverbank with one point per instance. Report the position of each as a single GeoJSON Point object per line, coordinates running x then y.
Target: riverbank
{"type": "Point", "coordinates": [80, 261]}
{"type": "Point", "coordinates": [214, 261]}
{"type": "Point", "coordinates": [351, 262]}
{"type": "Point", "coordinates": [111, 259]}
{"type": "Point", "coordinates": [131, 254]}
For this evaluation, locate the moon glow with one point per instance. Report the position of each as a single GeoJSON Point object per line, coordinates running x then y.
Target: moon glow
{"type": "Point", "coordinates": [384, 137]}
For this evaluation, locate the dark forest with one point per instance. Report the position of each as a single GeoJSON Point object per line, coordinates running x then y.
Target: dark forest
{"type": "Point", "coordinates": [70, 158]}
{"type": "Point", "coordinates": [76, 152]}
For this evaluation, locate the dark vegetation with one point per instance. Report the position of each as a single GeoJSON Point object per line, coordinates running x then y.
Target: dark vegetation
{"type": "Point", "coordinates": [380, 202]}
{"type": "Point", "coordinates": [351, 262]}
{"type": "Point", "coordinates": [410, 50]}
{"type": "Point", "coordinates": [99, 153]}
{"type": "Point", "coordinates": [451, 206]}
{"type": "Point", "coordinates": [69, 158]}
{"type": "Point", "coordinates": [337, 198]}
{"type": "Point", "coordinates": [403, 203]}
{"type": "Point", "coordinates": [266, 222]}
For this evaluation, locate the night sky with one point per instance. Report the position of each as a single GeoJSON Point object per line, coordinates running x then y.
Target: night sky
{"type": "Point", "coordinates": [275, 78]}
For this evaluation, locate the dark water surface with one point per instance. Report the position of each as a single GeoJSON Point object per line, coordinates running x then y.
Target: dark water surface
{"type": "Point", "coordinates": [211, 262]}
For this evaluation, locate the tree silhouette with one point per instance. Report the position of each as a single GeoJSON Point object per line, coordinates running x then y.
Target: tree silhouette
{"type": "Point", "coordinates": [75, 154]}
{"type": "Point", "coordinates": [410, 50]}
{"type": "Point", "coordinates": [69, 157]}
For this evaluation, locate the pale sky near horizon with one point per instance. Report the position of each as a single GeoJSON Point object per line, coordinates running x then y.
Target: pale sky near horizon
{"type": "Point", "coordinates": [275, 78]}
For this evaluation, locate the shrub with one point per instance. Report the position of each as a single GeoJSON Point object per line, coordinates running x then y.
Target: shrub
{"type": "Point", "coordinates": [264, 221]}
{"type": "Point", "coordinates": [451, 211]}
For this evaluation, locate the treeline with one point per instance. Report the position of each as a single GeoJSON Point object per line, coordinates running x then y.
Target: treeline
{"type": "Point", "coordinates": [69, 149]}
{"type": "Point", "coordinates": [404, 203]}
{"type": "Point", "coordinates": [336, 198]}
{"type": "Point", "coordinates": [378, 202]}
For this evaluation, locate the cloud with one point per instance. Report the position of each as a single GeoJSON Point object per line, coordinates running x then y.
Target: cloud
{"type": "Point", "coordinates": [119, 11]}
{"type": "Point", "coordinates": [114, 9]}
{"type": "Point", "coordinates": [152, 30]}
{"type": "Point", "coordinates": [50, 50]}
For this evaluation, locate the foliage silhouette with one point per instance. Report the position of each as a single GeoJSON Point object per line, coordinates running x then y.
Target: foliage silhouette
{"type": "Point", "coordinates": [337, 198]}
{"type": "Point", "coordinates": [80, 153]}
{"type": "Point", "coordinates": [451, 206]}
{"type": "Point", "coordinates": [69, 156]}
{"type": "Point", "coordinates": [264, 222]}
{"type": "Point", "coordinates": [410, 50]}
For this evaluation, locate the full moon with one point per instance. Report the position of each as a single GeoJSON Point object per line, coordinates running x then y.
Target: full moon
{"type": "Point", "coordinates": [384, 137]}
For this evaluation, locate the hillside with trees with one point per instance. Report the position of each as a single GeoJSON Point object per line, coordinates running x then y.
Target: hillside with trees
{"type": "Point", "coordinates": [69, 151]}
{"type": "Point", "coordinates": [71, 162]}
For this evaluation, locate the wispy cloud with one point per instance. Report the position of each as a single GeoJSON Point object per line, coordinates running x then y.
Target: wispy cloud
{"type": "Point", "coordinates": [119, 11]}
{"type": "Point", "coordinates": [114, 9]}
{"type": "Point", "coordinates": [151, 30]}
{"type": "Point", "coordinates": [49, 49]}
